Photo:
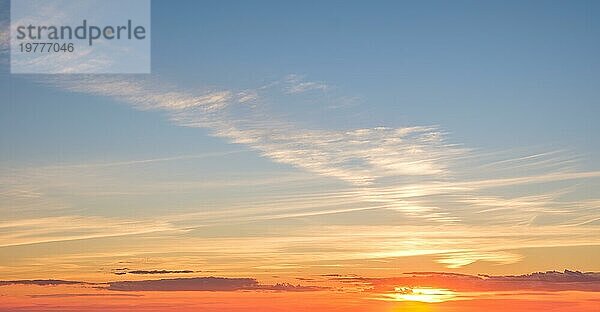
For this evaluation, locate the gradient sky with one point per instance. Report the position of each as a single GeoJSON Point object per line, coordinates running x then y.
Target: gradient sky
{"type": "Point", "coordinates": [336, 145]}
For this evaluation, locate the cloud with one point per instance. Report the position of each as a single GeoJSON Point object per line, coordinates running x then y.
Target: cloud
{"type": "Point", "coordinates": [204, 284]}
{"type": "Point", "coordinates": [358, 156]}
{"type": "Point", "coordinates": [296, 84]}
{"type": "Point", "coordinates": [67, 228]}
{"type": "Point", "coordinates": [174, 284]}
{"type": "Point", "coordinates": [459, 259]}
{"type": "Point", "coordinates": [140, 161]}
{"type": "Point", "coordinates": [566, 276]}
{"type": "Point", "coordinates": [83, 295]}
{"type": "Point", "coordinates": [124, 271]}
{"type": "Point", "coordinates": [186, 284]}
{"type": "Point", "coordinates": [4, 34]}
{"type": "Point", "coordinates": [551, 281]}
{"type": "Point", "coordinates": [364, 158]}
{"type": "Point", "coordinates": [40, 282]}
{"type": "Point", "coordinates": [289, 287]}
{"type": "Point", "coordinates": [4, 43]}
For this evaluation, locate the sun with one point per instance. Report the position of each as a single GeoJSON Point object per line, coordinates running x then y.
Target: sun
{"type": "Point", "coordinates": [421, 294]}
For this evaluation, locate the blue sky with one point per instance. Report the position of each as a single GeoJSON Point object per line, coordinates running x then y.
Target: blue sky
{"type": "Point", "coordinates": [464, 65]}
{"type": "Point", "coordinates": [494, 75]}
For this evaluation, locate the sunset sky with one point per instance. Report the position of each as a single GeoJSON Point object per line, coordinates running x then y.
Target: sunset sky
{"type": "Point", "coordinates": [322, 155]}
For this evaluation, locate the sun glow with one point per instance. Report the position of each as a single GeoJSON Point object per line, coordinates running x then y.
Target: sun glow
{"type": "Point", "coordinates": [421, 294]}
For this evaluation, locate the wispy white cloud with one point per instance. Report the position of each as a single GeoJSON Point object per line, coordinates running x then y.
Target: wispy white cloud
{"type": "Point", "coordinates": [455, 260]}
{"type": "Point", "coordinates": [141, 161]}
{"type": "Point", "coordinates": [297, 84]}
{"type": "Point", "coordinates": [358, 156]}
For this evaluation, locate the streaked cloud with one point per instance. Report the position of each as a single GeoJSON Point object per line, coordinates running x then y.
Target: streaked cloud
{"type": "Point", "coordinates": [67, 228]}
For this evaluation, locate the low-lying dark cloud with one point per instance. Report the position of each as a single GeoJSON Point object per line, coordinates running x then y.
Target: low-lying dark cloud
{"type": "Point", "coordinates": [83, 295]}
{"type": "Point", "coordinates": [40, 282]}
{"type": "Point", "coordinates": [551, 276]}
{"type": "Point", "coordinates": [174, 284]}
{"type": "Point", "coordinates": [539, 281]}
{"type": "Point", "coordinates": [204, 284]}
{"type": "Point", "coordinates": [181, 284]}
{"type": "Point", "coordinates": [289, 287]}
{"type": "Point", "coordinates": [123, 271]}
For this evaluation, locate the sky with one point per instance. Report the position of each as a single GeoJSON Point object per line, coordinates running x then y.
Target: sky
{"type": "Point", "coordinates": [388, 156]}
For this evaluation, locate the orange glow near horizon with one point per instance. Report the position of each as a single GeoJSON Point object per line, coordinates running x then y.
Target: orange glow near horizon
{"type": "Point", "coordinates": [414, 299]}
